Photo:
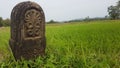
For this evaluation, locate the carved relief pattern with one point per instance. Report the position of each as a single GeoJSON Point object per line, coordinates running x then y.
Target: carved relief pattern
{"type": "Point", "coordinates": [32, 23]}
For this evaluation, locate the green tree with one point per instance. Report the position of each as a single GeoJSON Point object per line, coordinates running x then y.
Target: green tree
{"type": "Point", "coordinates": [1, 22]}
{"type": "Point", "coordinates": [113, 12]}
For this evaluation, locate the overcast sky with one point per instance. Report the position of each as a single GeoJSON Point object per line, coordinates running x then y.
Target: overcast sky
{"type": "Point", "coordinates": [61, 10]}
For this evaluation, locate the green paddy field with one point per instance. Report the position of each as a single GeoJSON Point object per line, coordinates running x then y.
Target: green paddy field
{"type": "Point", "coordinates": [94, 44]}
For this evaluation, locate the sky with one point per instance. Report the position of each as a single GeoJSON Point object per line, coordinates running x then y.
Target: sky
{"type": "Point", "coordinates": [63, 10]}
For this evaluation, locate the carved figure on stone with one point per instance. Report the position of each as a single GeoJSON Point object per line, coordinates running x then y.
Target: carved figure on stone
{"type": "Point", "coordinates": [27, 30]}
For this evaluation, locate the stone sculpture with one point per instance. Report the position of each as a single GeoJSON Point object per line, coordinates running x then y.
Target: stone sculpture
{"type": "Point", "coordinates": [27, 31]}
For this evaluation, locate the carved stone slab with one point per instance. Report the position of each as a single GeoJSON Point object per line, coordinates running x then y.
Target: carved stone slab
{"type": "Point", "coordinates": [27, 30]}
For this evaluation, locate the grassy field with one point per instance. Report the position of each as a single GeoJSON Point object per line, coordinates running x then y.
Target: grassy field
{"type": "Point", "coordinates": [93, 44]}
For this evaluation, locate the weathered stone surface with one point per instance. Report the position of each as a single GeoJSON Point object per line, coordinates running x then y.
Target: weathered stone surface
{"type": "Point", "coordinates": [27, 30]}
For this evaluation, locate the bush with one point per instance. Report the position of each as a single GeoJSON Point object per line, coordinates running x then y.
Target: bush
{"type": "Point", "coordinates": [4, 22]}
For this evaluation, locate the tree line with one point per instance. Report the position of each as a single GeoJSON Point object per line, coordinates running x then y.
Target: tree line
{"type": "Point", "coordinates": [113, 13]}
{"type": "Point", "coordinates": [4, 22]}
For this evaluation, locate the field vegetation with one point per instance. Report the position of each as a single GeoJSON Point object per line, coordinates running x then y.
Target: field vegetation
{"type": "Point", "coordinates": [94, 44]}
